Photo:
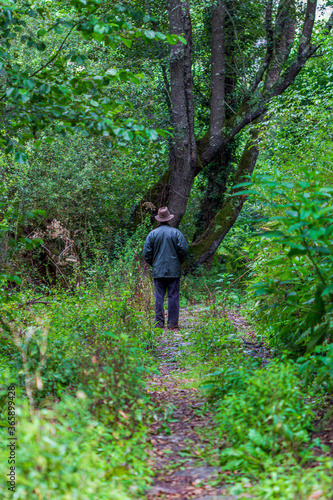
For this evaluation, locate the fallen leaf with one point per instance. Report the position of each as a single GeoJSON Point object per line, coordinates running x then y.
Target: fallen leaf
{"type": "Point", "coordinates": [316, 494]}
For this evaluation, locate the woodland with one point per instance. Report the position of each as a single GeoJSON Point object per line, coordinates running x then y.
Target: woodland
{"type": "Point", "coordinates": [222, 111]}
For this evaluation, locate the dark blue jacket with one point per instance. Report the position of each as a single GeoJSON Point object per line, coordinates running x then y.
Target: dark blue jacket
{"type": "Point", "coordinates": [165, 249]}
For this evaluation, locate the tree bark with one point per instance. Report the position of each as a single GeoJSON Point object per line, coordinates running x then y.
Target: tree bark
{"type": "Point", "coordinates": [183, 154]}
{"type": "Point", "coordinates": [223, 221]}
{"type": "Point", "coordinates": [217, 176]}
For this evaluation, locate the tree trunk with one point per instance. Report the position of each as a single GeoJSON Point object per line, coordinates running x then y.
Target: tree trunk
{"type": "Point", "coordinates": [217, 176]}
{"type": "Point", "coordinates": [246, 101]}
{"type": "Point", "coordinates": [183, 154]}
{"type": "Point", "coordinates": [223, 221]}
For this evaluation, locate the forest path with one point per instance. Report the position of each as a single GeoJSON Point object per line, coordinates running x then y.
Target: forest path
{"type": "Point", "coordinates": [178, 443]}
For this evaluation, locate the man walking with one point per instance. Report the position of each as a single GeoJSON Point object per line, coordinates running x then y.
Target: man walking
{"type": "Point", "coordinates": [166, 249]}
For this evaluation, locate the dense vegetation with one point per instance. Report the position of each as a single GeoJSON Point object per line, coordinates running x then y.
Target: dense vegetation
{"type": "Point", "coordinates": [91, 103]}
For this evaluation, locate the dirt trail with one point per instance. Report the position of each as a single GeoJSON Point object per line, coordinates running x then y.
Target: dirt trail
{"type": "Point", "coordinates": [181, 472]}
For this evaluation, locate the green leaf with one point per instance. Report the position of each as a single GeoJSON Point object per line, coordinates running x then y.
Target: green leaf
{"type": "Point", "coordinates": [297, 251]}
{"type": "Point", "coordinates": [29, 84]}
{"type": "Point", "coordinates": [172, 39]}
{"type": "Point", "coordinates": [44, 89]}
{"type": "Point", "coordinates": [41, 46]}
{"type": "Point", "coordinates": [317, 337]}
{"type": "Point", "coordinates": [163, 133]}
{"type": "Point", "coordinates": [127, 42]}
{"type": "Point", "coordinates": [327, 290]}
{"type": "Point", "coordinates": [10, 91]}
{"type": "Point", "coordinates": [128, 135]}
{"type": "Point", "coordinates": [100, 28]}
{"type": "Point", "coordinates": [152, 135]}
{"type": "Point", "coordinates": [49, 140]}
{"type": "Point", "coordinates": [20, 157]}
{"type": "Point", "coordinates": [246, 193]}
{"type": "Point", "coordinates": [149, 34]}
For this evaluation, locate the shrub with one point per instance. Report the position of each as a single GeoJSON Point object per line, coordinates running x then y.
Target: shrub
{"type": "Point", "coordinates": [291, 483]}
{"type": "Point", "coordinates": [65, 453]}
{"type": "Point", "coordinates": [292, 279]}
{"type": "Point", "coordinates": [317, 368]}
{"type": "Point", "coordinates": [265, 419]}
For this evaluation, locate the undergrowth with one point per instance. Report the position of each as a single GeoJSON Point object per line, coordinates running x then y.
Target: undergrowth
{"type": "Point", "coordinates": [78, 363]}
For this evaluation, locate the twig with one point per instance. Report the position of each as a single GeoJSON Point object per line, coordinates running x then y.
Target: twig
{"type": "Point", "coordinates": [56, 265]}
{"type": "Point", "coordinates": [33, 301]}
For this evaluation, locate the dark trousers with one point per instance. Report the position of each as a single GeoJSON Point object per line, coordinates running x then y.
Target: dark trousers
{"type": "Point", "coordinates": [173, 287]}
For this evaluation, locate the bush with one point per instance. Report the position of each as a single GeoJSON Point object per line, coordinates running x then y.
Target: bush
{"type": "Point", "coordinates": [292, 279]}
{"type": "Point", "coordinates": [66, 454]}
{"type": "Point", "coordinates": [291, 483]}
{"type": "Point", "coordinates": [92, 344]}
{"type": "Point", "coordinates": [317, 368]}
{"type": "Point", "coordinates": [265, 419]}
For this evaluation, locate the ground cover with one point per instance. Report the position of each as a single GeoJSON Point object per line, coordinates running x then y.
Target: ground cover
{"type": "Point", "coordinates": [119, 410]}
{"type": "Point", "coordinates": [233, 422]}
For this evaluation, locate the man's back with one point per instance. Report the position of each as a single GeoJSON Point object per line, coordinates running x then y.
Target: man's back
{"type": "Point", "coordinates": [165, 249]}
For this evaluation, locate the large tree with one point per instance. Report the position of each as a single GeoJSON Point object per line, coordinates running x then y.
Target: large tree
{"type": "Point", "coordinates": [256, 50]}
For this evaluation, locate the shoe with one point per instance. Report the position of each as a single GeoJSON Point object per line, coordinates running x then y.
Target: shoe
{"type": "Point", "coordinates": [175, 327]}
{"type": "Point", "coordinates": [159, 325]}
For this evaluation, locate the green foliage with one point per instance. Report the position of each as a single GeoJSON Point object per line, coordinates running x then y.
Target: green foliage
{"type": "Point", "coordinates": [54, 86]}
{"type": "Point", "coordinates": [66, 453]}
{"type": "Point", "coordinates": [231, 377]}
{"type": "Point", "coordinates": [317, 368]}
{"type": "Point", "coordinates": [293, 275]}
{"type": "Point", "coordinates": [217, 337]}
{"type": "Point", "coordinates": [10, 218]}
{"type": "Point", "coordinates": [290, 483]}
{"type": "Point", "coordinates": [92, 339]}
{"type": "Point", "coordinates": [265, 419]}
{"type": "Point", "coordinates": [91, 345]}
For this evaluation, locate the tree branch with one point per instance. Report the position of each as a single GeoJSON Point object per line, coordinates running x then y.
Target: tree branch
{"type": "Point", "coordinates": [247, 113]}
{"type": "Point", "coordinates": [283, 39]}
{"type": "Point", "coordinates": [270, 45]}
{"type": "Point", "coordinates": [217, 109]}
{"type": "Point", "coordinates": [309, 20]}
{"type": "Point", "coordinates": [239, 48]}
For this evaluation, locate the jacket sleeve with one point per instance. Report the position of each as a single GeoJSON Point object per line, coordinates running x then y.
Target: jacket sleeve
{"type": "Point", "coordinates": [148, 250]}
{"type": "Point", "coordinates": [182, 247]}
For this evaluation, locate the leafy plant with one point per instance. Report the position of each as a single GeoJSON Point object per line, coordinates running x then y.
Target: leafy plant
{"type": "Point", "coordinates": [11, 242]}
{"type": "Point", "coordinates": [66, 453]}
{"type": "Point", "coordinates": [216, 337]}
{"type": "Point", "coordinates": [293, 277]}
{"type": "Point", "coordinates": [57, 89]}
{"type": "Point", "coordinates": [291, 482]}
{"type": "Point", "coordinates": [264, 419]}
{"type": "Point", "coordinates": [317, 368]}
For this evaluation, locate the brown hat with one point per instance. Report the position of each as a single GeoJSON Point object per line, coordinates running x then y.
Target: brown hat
{"type": "Point", "coordinates": [163, 215]}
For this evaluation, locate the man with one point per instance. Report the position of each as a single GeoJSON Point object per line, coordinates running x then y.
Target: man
{"type": "Point", "coordinates": [166, 249]}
